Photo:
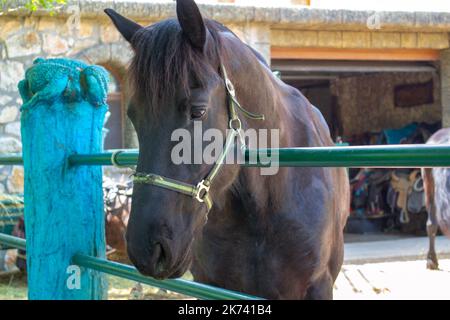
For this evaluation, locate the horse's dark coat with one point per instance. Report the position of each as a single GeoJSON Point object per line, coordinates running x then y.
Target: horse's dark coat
{"type": "Point", "coordinates": [437, 187]}
{"type": "Point", "coordinates": [275, 236]}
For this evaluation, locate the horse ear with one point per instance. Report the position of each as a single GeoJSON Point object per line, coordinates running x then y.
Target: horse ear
{"type": "Point", "coordinates": [125, 26]}
{"type": "Point", "coordinates": [191, 22]}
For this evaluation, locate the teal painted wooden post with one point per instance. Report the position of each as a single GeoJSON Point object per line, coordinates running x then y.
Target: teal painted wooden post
{"type": "Point", "coordinates": [63, 112]}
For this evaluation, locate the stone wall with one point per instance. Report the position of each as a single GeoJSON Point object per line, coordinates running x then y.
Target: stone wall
{"type": "Point", "coordinates": [256, 35]}
{"type": "Point", "coordinates": [359, 39]}
{"type": "Point", "coordinates": [22, 39]}
{"type": "Point", "coordinates": [366, 103]}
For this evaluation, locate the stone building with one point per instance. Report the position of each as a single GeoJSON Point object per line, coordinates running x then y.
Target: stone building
{"type": "Point", "coordinates": [351, 64]}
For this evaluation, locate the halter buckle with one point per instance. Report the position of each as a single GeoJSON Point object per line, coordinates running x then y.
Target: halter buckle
{"type": "Point", "coordinates": [230, 87]}
{"type": "Point", "coordinates": [201, 191]}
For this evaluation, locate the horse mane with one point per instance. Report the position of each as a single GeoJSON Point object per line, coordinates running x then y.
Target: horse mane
{"type": "Point", "coordinates": [165, 62]}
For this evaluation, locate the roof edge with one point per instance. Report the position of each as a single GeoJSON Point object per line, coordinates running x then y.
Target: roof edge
{"type": "Point", "coordinates": [279, 17]}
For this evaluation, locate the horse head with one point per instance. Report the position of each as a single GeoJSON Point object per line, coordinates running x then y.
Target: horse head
{"type": "Point", "coordinates": [178, 81]}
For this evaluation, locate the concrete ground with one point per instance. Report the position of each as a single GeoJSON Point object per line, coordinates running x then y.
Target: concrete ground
{"type": "Point", "coordinates": [374, 248]}
{"type": "Point", "coordinates": [393, 269]}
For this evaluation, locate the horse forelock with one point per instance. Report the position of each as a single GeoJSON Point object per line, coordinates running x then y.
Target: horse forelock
{"type": "Point", "coordinates": [166, 63]}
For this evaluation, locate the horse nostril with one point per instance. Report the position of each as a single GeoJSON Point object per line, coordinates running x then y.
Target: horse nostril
{"type": "Point", "coordinates": [154, 261]}
{"type": "Point", "coordinates": [159, 258]}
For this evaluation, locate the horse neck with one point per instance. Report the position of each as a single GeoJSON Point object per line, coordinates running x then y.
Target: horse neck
{"type": "Point", "coordinates": [258, 92]}
{"type": "Point", "coordinates": [284, 107]}
{"type": "Point", "coordinates": [248, 206]}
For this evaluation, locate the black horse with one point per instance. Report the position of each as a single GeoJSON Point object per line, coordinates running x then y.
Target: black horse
{"type": "Point", "coordinates": [275, 236]}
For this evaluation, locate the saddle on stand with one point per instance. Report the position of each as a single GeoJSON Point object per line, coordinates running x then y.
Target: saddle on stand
{"type": "Point", "coordinates": [406, 195]}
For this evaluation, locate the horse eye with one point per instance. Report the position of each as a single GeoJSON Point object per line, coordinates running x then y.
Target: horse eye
{"type": "Point", "coordinates": [198, 112]}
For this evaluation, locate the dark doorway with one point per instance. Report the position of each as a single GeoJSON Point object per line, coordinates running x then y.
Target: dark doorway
{"type": "Point", "coordinates": [318, 92]}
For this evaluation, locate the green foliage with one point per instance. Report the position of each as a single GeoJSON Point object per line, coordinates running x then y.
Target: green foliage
{"type": "Point", "coordinates": [31, 5]}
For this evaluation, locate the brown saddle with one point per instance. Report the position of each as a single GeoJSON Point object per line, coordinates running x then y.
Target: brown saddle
{"type": "Point", "coordinates": [409, 191]}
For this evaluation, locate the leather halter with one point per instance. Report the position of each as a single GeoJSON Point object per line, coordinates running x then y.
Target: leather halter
{"type": "Point", "coordinates": [200, 191]}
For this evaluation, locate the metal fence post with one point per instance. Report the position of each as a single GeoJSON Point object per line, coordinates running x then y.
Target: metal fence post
{"type": "Point", "coordinates": [63, 111]}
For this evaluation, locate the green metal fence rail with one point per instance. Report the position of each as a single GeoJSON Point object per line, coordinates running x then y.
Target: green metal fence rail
{"type": "Point", "coordinates": [11, 159]}
{"type": "Point", "coordinates": [186, 287]}
{"type": "Point", "coordinates": [394, 156]}
{"type": "Point", "coordinates": [182, 286]}
{"type": "Point", "coordinates": [386, 156]}
{"type": "Point", "coordinates": [13, 242]}
{"type": "Point", "coordinates": [122, 158]}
